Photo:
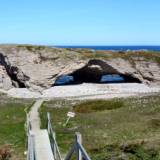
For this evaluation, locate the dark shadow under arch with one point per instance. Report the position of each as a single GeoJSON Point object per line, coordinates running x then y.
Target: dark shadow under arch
{"type": "Point", "coordinates": [96, 71]}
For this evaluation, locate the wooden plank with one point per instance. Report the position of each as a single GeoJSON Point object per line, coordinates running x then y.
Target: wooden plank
{"type": "Point", "coordinates": [43, 149]}
{"type": "Point", "coordinates": [83, 151]}
{"type": "Point", "coordinates": [78, 140]}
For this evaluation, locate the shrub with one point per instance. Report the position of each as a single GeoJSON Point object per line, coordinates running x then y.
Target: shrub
{"type": "Point", "coordinates": [98, 105]}
{"type": "Point", "coordinates": [5, 153]}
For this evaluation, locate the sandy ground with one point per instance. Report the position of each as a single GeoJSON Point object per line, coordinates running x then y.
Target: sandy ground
{"type": "Point", "coordinates": [87, 91]}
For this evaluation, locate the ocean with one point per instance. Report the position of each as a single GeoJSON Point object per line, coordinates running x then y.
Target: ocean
{"type": "Point", "coordinates": [117, 48]}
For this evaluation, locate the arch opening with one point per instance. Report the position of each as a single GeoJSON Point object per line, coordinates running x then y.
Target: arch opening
{"type": "Point", "coordinates": [106, 78]}
{"type": "Point", "coordinates": [95, 71]}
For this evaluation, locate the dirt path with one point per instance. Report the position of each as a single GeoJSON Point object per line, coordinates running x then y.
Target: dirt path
{"type": "Point", "coordinates": [34, 115]}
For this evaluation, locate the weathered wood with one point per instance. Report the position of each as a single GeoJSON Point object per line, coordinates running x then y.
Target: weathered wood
{"type": "Point", "coordinates": [78, 148]}
{"type": "Point", "coordinates": [42, 144]}
{"type": "Point", "coordinates": [43, 150]}
{"type": "Point", "coordinates": [39, 146]}
{"type": "Point", "coordinates": [31, 149]}
{"type": "Point", "coordinates": [52, 134]}
{"type": "Point", "coordinates": [71, 151]}
{"type": "Point", "coordinates": [78, 140]}
{"type": "Point", "coordinates": [84, 153]}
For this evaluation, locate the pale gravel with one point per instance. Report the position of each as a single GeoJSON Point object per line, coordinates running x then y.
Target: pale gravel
{"type": "Point", "coordinates": [87, 91]}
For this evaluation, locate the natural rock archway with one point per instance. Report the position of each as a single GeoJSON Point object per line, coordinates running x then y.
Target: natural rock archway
{"type": "Point", "coordinates": [93, 72]}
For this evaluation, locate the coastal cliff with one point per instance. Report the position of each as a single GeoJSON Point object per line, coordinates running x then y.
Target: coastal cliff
{"type": "Point", "coordinates": [38, 67]}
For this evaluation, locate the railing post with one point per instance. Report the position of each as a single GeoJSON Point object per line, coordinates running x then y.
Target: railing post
{"type": "Point", "coordinates": [28, 149]}
{"type": "Point", "coordinates": [54, 146]}
{"type": "Point", "coordinates": [71, 151]}
{"type": "Point", "coordinates": [48, 124]}
{"type": "Point", "coordinates": [78, 141]}
{"type": "Point", "coordinates": [31, 149]}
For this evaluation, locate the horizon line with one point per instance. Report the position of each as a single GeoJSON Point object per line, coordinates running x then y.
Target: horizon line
{"type": "Point", "coordinates": [88, 45]}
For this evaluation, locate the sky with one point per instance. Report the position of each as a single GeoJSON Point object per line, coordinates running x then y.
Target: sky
{"type": "Point", "coordinates": [80, 22]}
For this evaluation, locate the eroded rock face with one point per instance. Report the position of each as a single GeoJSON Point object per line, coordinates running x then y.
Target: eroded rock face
{"type": "Point", "coordinates": [5, 81]}
{"type": "Point", "coordinates": [37, 68]}
{"type": "Point", "coordinates": [149, 71]}
{"type": "Point", "coordinates": [146, 71]}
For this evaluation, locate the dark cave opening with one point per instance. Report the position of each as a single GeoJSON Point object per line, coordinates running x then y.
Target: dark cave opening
{"type": "Point", "coordinates": [12, 73]}
{"type": "Point", "coordinates": [96, 71]}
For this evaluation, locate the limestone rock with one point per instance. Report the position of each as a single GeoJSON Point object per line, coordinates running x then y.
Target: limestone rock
{"type": "Point", "coordinates": [37, 67]}
{"type": "Point", "coordinates": [5, 81]}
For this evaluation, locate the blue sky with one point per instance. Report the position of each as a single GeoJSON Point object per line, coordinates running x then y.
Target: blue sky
{"type": "Point", "coordinates": [80, 22]}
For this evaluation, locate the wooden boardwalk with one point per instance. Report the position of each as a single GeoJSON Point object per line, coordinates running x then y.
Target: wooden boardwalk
{"type": "Point", "coordinates": [43, 149]}
{"type": "Point", "coordinates": [42, 146]}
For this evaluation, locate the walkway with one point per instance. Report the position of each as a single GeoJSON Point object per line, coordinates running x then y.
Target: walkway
{"type": "Point", "coordinates": [42, 145]}
{"type": "Point", "coordinates": [34, 115]}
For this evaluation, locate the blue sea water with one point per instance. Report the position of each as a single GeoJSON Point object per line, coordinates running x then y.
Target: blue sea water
{"type": "Point", "coordinates": [117, 48]}
{"type": "Point", "coordinates": [112, 78]}
{"type": "Point", "coordinates": [109, 78]}
{"type": "Point", "coordinates": [63, 80]}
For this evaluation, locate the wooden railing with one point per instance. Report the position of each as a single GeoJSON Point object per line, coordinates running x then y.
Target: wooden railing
{"type": "Point", "coordinates": [76, 147]}
{"type": "Point", "coordinates": [30, 141]}
{"type": "Point", "coordinates": [52, 136]}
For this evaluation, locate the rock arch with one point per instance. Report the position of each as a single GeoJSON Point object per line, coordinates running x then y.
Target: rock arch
{"type": "Point", "coordinates": [93, 71]}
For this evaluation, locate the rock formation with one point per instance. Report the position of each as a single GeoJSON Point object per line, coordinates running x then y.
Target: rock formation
{"type": "Point", "coordinates": [37, 67]}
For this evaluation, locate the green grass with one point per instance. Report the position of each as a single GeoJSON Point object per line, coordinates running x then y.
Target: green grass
{"type": "Point", "coordinates": [12, 130]}
{"type": "Point", "coordinates": [128, 129]}
{"type": "Point", "coordinates": [32, 47]}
